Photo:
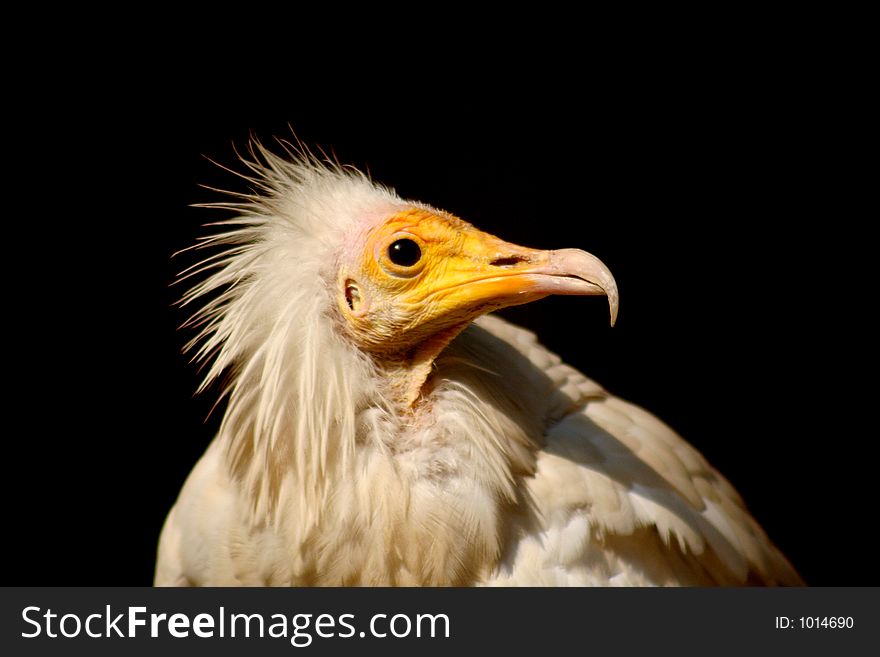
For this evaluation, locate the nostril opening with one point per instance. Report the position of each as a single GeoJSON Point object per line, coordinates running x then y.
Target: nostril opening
{"type": "Point", "coordinates": [509, 261]}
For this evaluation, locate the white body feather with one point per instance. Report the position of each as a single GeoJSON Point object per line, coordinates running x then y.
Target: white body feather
{"type": "Point", "coordinates": [517, 470]}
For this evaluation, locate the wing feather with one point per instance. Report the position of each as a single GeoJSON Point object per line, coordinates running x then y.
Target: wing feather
{"type": "Point", "coordinates": [621, 498]}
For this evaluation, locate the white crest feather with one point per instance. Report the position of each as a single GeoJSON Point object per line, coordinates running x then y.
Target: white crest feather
{"type": "Point", "coordinates": [265, 324]}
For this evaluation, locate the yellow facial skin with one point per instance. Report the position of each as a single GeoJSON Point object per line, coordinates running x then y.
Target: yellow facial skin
{"type": "Point", "coordinates": [462, 273]}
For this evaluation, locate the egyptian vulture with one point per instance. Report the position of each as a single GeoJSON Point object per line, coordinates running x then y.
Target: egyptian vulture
{"type": "Point", "coordinates": [382, 428]}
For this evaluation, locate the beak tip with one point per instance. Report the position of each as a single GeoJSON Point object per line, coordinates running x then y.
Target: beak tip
{"type": "Point", "coordinates": [610, 290]}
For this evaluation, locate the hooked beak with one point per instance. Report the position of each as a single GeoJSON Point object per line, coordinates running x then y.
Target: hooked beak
{"type": "Point", "coordinates": [488, 273]}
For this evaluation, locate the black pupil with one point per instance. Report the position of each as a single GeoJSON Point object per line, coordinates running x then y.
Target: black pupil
{"type": "Point", "coordinates": [405, 253]}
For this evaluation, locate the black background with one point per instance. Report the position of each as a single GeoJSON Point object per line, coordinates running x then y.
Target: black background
{"type": "Point", "coordinates": [717, 184]}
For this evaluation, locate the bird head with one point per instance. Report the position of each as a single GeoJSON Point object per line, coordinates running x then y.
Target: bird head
{"type": "Point", "coordinates": [413, 277]}
{"type": "Point", "coordinates": [401, 278]}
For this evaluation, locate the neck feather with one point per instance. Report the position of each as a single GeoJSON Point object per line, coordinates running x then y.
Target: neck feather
{"type": "Point", "coordinates": [388, 497]}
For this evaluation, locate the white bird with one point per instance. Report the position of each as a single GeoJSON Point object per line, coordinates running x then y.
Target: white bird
{"type": "Point", "coordinates": [381, 429]}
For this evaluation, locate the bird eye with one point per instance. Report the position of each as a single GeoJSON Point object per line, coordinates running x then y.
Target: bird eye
{"type": "Point", "coordinates": [404, 252]}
